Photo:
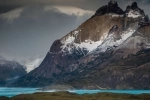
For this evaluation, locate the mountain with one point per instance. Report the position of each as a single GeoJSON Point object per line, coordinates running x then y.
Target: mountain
{"type": "Point", "coordinates": [10, 71]}
{"type": "Point", "coordinates": [110, 50]}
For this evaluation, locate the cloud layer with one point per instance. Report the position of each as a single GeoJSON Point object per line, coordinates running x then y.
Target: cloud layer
{"type": "Point", "coordinates": [70, 10]}
{"type": "Point", "coordinates": [31, 30]}
{"type": "Point", "coordinates": [14, 14]}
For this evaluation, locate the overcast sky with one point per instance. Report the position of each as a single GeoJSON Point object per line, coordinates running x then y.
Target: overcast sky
{"type": "Point", "coordinates": [29, 27]}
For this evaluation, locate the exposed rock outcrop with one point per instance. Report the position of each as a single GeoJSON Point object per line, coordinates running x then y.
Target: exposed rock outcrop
{"type": "Point", "coordinates": [112, 7]}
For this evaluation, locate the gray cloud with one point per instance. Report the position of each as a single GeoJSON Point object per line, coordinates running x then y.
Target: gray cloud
{"type": "Point", "coordinates": [34, 30]}
{"type": "Point", "coordinates": [84, 4]}
{"type": "Point", "coordinates": [81, 3]}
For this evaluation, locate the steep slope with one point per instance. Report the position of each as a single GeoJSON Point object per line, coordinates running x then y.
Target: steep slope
{"type": "Point", "coordinates": [124, 67]}
{"type": "Point", "coordinates": [121, 63]}
{"type": "Point", "coordinates": [104, 41]}
{"type": "Point", "coordinates": [10, 71]}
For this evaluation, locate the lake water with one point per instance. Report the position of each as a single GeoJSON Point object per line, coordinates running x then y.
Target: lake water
{"type": "Point", "coordinates": [10, 92]}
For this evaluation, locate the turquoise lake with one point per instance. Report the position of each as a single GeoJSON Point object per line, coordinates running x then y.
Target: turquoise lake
{"type": "Point", "coordinates": [10, 92]}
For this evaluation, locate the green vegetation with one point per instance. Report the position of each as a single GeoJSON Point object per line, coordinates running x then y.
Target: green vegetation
{"type": "Point", "coordinates": [72, 96]}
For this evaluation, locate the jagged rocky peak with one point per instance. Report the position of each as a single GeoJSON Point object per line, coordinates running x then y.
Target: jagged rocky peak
{"type": "Point", "coordinates": [113, 4]}
{"type": "Point", "coordinates": [134, 5]}
{"type": "Point", "coordinates": [112, 7]}
{"type": "Point", "coordinates": [144, 21]}
{"type": "Point", "coordinates": [134, 11]}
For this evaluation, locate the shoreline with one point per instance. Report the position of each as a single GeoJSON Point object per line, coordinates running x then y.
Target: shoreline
{"type": "Point", "coordinates": [65, 95]}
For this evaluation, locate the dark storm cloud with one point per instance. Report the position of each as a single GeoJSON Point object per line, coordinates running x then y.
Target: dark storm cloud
{"type": "Point", "coordinates": [4, 8]}
{"type": "Point", "coordinates": [84, 4]}
{"type": "Point", "coordinates": [33, 32]}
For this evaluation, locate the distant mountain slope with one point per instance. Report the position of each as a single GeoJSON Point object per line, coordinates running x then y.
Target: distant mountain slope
{"type": "Point", "coordinates": [105, 51]}
{"type": "Point", "coordinates": [10, 71]}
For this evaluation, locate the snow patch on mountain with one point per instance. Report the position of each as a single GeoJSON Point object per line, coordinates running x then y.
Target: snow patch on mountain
{"type": "Point", "coordinates": [32, 63]}
{"type": "Point", "coordinates": [115, 15]}
{"type": "Point", "coordinates": [89, 45]}
{"type": "Point", "coordinates": [133, 14]}
{"type": "Point", "coordinates": [111, 42]}
{"type": "Point", "coordinates": [135, 42]}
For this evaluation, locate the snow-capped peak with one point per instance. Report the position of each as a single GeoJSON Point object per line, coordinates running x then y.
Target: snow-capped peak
{"type": "Point", "coordinates": [133, 14]}
{"type": "Point", "coordinates": [134, 11]}
{"type": "Point", "coordinates": [69, 44]}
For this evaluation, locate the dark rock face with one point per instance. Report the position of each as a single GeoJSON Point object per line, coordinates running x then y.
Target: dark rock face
{"type": "Point", "coordinates": [113, 29]}
{"type": "Point", "coordinates": [55, 64]}
{"type": "Point", "coordinates": [10, 71]}
{"type": "Point", "coordinates": [134, 7]}
{"type": "Point", "coordinates": [115, 73]}
{"type": "Point", "coordinates": [112, 7]}
{"type": "Point", "coordinates": [145, 21]}
{"type": "Point", "coordinates": [115, 63]}
{"type": "Point", "coordinates": [56, 46]}
{"type": "Point", "coordinates": [111, 70]}
{"type": "Point", "coordinates": [102, 10]}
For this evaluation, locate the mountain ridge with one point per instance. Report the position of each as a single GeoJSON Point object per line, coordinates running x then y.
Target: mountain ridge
{"type": "Point", "coordinates": [96, 43]}
{"type": "Point", "coordinates": [10, 71]}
